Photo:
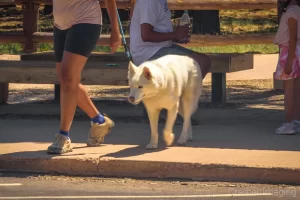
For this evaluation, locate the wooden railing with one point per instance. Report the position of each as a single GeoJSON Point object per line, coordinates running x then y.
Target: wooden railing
{"type": "Point", "coordinates": [30, 36]}
{"type": "Point", "coordinates": [180, 4]}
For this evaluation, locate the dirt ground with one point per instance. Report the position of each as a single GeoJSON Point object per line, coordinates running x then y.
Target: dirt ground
{"type": "Point", "coordinates": [249, 92]}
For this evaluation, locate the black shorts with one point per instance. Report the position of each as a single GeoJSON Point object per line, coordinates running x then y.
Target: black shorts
{"type": "Point", "coordinates": [79, 39]}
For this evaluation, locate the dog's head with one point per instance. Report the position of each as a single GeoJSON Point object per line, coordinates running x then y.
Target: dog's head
{"type": "Point", "coordinates": [143, 82]}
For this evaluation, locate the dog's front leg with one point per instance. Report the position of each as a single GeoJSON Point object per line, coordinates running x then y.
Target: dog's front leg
{"type": "Point", "coordinates": [153, 115]}
{"type": "Point", "coordinates": [168, 130]}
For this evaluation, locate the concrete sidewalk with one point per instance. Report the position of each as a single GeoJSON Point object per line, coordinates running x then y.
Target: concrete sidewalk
{"type": "Point", "coordinates": [229, 145]}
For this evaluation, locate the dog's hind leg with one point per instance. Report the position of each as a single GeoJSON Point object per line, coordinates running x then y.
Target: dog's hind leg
{"type": "Point", "coordinates": [187, 107]}
{"type": "Point", "coordinates": [153, 115]}
{"type": "Point", "coordinates": [168, 134]}
{"type": "Point", "coordinates": [190, 131]}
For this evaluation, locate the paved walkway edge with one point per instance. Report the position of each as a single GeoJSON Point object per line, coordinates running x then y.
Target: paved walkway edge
{"type": "Point", "coordinates": [150, 169]}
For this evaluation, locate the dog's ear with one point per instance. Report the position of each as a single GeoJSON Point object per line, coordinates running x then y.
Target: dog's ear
{"type": "Point", "coordinates": [147, 73]}
{"type": "Point", "coordinates": [131, 67]}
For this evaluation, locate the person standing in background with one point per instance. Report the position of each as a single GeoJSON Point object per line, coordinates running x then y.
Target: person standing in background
{"type": "Point", "coordinates": [288, 68]}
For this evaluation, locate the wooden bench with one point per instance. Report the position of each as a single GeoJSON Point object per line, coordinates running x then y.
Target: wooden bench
{"type": "Point", "coordinates": [39, 68]}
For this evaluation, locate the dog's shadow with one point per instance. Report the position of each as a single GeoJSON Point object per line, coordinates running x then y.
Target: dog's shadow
{"type": "Point", "coordinates": [133, 151]}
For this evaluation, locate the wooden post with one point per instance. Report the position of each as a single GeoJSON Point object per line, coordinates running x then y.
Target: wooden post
{"type": "Point", "coordinates": [218, 88]}
{"type": "Point", "coordinates": [30, 25]}
{"type": "Point", "coordinates": [30, 21]}
{"type": "Point", "coordinates": [57, 92]}
{"type": "Point", "coordinates": [279, 11]}
{"type": "Point", "coordinates": [208, 22]}
{"type": "Point", "coordinates": [3, 93]}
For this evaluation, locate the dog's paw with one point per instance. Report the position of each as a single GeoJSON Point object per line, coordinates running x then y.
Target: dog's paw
{"type": "Point", "coordinates": [182, 141]}
{"type": "Point", "coordinates": [169, 138]}
{"type": "Point", "coordinates": [151, 146]}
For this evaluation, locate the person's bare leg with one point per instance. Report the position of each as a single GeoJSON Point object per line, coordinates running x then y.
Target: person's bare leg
{"type": "Point", "coordinates": [83, 101]}
{"type": "Point", "coordinates": [204, 62]}
{"type": "Point", "coordinates": [289, 99]}
{"type": "Point", "coordinates": [70, 75]}
{"type": "Point", "coordinates": [288, 127]}
{"type": "Point", "coordinates": [101, 125]}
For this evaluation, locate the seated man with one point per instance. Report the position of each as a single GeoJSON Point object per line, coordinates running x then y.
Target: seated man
{"type": "Point", "coordinates": [152, 35]}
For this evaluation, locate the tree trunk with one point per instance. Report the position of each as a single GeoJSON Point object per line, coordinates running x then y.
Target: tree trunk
{"type": "Point", "coordinates": [204, 21]}
{"type": "Point", "coordinates": [279, 10]}
{"type": "Point", "coordinates": [124, 15]}
{"type": "Point", "coordinates": [48, 9]}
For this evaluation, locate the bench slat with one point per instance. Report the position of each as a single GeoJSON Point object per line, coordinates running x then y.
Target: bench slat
{"type": "Point", "coordinates": [40, 72]}
{"type": "Point", "coordinates": [221, 63]}
{"type": "Point", "coordinates": [95, 56]}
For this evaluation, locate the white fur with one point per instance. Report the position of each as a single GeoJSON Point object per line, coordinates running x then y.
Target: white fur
{"type": "Point", "coordinates": [171, 82]}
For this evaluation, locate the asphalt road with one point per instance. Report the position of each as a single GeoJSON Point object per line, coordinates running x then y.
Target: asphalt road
{"type": "Point", "coordinates": [34, 186]}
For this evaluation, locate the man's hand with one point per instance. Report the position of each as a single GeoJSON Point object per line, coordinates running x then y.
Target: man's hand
{"type": "Point", "coordinates": [115, 41]}
{"type": "Point", "coordinates": [182, 32]}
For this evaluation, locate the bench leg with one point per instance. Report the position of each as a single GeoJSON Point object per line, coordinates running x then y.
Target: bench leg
{"type": "Point", "coordinates": [57, 92]}
{"type": "Point", "coordinates": [3, 93]}
{"type": "Point", "coordinates": [218, 90]}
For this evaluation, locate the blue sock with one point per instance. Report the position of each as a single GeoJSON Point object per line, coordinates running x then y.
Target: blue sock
{"type": "Point", "coordinates": [65, 133]}
{"type": "Point", "coordinates": [98, 119]}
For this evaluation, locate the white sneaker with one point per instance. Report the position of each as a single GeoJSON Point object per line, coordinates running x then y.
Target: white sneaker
{"type": "Point", "coordinates": [98, 132]}
{"type": "Point", "coordinates": [297, 126]}
{"type": "Point", "coordinates": [286, 129]}
{"type": "Point", "coordinates": [61, 145]}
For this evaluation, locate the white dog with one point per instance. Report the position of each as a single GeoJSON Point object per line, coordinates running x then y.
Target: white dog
{"type": "Point", "coordinates": [171, 82]}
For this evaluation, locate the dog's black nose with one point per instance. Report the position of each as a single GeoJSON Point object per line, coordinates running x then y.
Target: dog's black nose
{"type": "Point", "coordinates": [131, 99]}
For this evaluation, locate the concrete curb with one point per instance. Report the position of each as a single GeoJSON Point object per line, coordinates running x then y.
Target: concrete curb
{"type": "Point", "coordinates": [150, 169]}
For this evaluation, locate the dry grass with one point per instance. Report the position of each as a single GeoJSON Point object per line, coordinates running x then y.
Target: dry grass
{"type": "Point", "coordinates": [231, 21]}
{"type": "Point", "coordinates": [248, 21]}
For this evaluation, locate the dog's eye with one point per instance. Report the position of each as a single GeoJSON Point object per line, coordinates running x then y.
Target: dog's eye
{"type": "Point", "coordinates": [140, 87]}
